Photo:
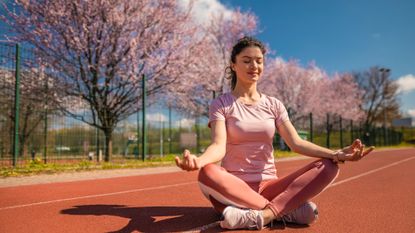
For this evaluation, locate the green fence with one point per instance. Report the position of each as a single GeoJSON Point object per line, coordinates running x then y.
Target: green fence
{"type": "Point", "coordinates": [46, 133]}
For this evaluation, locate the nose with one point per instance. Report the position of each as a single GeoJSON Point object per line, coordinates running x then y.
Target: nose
{"type": "Point", "coordinates": [254, 64]}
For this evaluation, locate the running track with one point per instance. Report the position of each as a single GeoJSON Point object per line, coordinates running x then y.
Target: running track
{"type": "Point", "coordinates": [376, 194]}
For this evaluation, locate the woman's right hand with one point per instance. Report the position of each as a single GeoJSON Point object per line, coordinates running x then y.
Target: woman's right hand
{"type": "Point", "coordinates": [189, 163]}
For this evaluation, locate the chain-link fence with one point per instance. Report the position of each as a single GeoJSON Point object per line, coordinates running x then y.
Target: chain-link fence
{"type": "Point", "coordinates": [46, 133]}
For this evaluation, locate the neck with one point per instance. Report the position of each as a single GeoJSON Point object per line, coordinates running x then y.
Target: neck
{"type": "Point", "coordinates": [245, 91]}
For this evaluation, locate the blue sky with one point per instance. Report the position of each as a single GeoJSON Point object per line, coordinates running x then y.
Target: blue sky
{"type": "Point", "coordinates": [341, 36]}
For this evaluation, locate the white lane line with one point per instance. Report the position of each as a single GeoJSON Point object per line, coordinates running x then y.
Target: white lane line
{"type": "Point", "coordinates": [96, 195]}
{"type": "Point", "coordinates": [369, 172]}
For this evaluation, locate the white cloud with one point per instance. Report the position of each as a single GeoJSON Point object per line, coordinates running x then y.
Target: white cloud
{"type": "Point", "coordinates": [411, 112]}
{"type": "Point", "coordinates": [156, 117]}
{"type": "Point", "coordinates": [185, 123]}
{"type": "Point", "coordinates": [406, 83]}
{"type": "Point", "coordinates": [203, 9]}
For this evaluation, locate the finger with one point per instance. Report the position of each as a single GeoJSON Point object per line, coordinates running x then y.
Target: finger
{"type": "Point", "coordinates": [186, 153]}
{"type": "Point", "coordinates": [191, 163]}
{"type": "Point", "coordinates": [178, 162]}
{"type": "Point", "coordinates": [359, 153]}
{"type": "Point", "coordinates": [361, 150]}
{"type": "Point", "coordinates": [185, 157]}
{"type": "Point", "coordinates": [186, 160]}
{"type": "Point", "coordinates": [355, 143]}
{"type": "Point", "coordinates": [366, 152]}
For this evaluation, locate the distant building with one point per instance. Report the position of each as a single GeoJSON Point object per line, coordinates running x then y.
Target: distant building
{"type": "Point", "coordinates": [403, 122]}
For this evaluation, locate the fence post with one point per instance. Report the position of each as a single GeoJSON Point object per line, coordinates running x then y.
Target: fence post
{"type": "Point", "coordinates": [136, 155]}
{"type": "Point", "coordinates": [16, 106]}
{"type": "Point", "coordinates": [97, 138]}
{"type": "Point", "coordinates": [161, 136]}
{"type": "Point", "coordinates": [328, 131]}
{"type": "Point", "coordinates": [389, 136]}
{"type": "Point", "coordinates": [311, 127]}
{"type": "Point", "coordinates": [197, 135]}
{"type": "Point", "coordinates": [170, 139]}
{"type": "Point", "coordinates": [144, 128]}
{"type": "Point", "coordinates": [341, 132]}
{"type": "Point", "coordinates": [351, 132]}
{"type": "Point", "coordinates": [45, 149]}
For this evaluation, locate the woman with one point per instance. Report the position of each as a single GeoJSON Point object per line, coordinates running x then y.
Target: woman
{"type": "Point", "coordinates": [245, 188]}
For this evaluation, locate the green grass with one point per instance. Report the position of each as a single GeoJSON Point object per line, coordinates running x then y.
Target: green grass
{"type": "Point", "coordinates": [38, 167]}
{"type": "Point", "coordinates": [284, 154]}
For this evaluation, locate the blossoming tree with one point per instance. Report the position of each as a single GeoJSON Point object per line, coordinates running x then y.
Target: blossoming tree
{"type": "Point", "coordinates": [102, 48]}
{"type": "Point", "coordinates": [207, 75]}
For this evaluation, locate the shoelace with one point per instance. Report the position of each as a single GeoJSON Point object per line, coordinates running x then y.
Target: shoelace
{"type": "Point", "coordinates": [288, 218]}
{"type": "Point", "coordinates": [251, 218]}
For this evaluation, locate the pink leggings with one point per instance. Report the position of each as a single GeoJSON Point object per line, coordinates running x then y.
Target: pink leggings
{"type": "Point", "coordinates": [281, 195]}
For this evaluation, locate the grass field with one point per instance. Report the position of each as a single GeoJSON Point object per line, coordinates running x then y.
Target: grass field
{"type": "Point", "coordinates": [37, 166]}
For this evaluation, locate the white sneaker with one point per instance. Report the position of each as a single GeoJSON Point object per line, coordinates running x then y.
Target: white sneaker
{"type": "Point", "coordinates": [305, 214]}
{"type": "Point", "coordinates": [236, 218]}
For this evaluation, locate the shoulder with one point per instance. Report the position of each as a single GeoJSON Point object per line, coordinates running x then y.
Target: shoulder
{"type": "Point", "coordinates": [224, 100]}
{"type": "Point", "coordinates": [273, 101]}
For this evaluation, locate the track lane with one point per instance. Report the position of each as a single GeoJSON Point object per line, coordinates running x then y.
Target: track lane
{"type": "Point", "coordinates": [184, 208]}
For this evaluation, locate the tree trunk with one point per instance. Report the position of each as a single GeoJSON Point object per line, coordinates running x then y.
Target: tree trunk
{"type": "Point", "coordinates": [108, 145]}
{"type": "Point", "coordinates": [22, 142]}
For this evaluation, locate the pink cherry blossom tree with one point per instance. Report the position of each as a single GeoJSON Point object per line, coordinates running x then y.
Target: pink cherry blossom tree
{"type": "Point", "coordinates": [101, 49]}
{"type": "Point", "coordinates": [311, 90]}
{"type": "Point", "coordinates": [295, 86]}
{"type": "Point", "coordinates": [225, 30]}
{"type": "Point", "coordinates": [345, 97]}
{"type": "Point", "coordinates": [207, 75]}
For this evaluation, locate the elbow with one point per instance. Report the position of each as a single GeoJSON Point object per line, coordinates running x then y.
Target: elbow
{"type": "Point", "coordinates": [295, 150]}
{"type": "Point", "coordinates": [220, 150]}
{"type": "Point", "coordinates": [297, 145]}
{"type": "Point", "coordinates": [222, 153]}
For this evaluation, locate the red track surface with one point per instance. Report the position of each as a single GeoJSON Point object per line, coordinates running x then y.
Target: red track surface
{"type": "Point", "coordinates": [376, 194]}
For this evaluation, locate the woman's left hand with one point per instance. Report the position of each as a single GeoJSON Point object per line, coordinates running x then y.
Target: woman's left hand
{"type": "Point", "coordinates": [354, 152]}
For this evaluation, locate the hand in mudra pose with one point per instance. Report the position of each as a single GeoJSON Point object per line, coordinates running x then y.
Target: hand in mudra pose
{"type": "Point", "coordinates": [190, 162]}
{"type": "Point", "coordinates": [354, 152]}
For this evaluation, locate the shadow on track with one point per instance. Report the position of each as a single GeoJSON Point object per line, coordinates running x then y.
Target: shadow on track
{"type": "Point", "coordinates": [151, 219]}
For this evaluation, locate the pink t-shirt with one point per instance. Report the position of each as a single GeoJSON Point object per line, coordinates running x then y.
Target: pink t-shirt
{"type": "Point", "coordinates": [250, 130]}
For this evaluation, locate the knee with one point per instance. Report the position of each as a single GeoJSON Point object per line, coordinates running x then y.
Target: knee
{"type": "Point", "coordinates": [330, 169]}
{"type": "Point", "coordinates": [208, 172]}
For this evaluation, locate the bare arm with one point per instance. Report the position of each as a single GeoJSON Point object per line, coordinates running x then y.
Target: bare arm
{"type": "Point", "coordinates": [351, 153]}
{"type": "Point", "coordinates": [214, 153]}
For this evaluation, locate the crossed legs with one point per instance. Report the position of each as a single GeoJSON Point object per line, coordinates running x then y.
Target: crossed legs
{"type": "Point", "coordinates": [276, 197]}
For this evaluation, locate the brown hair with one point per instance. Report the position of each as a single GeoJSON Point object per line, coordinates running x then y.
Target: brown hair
{"type": "Point", "coordinates": [237, 48]}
